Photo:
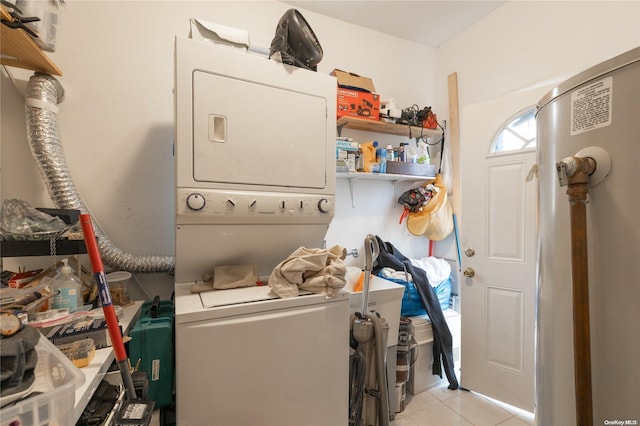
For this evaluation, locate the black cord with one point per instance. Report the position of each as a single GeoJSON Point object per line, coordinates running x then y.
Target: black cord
{"type": "Point", "coordinates": [441, 151]}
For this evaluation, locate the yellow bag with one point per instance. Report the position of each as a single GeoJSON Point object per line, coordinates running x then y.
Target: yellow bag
{"type": "Point", "coordinates": [435, 220]}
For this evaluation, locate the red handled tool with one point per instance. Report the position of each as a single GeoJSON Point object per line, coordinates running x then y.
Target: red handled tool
{"type": "Point", "coordinates": [107, 305]}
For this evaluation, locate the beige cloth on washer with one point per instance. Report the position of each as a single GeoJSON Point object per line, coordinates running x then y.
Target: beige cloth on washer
{"type": "Point", "coordinates": [314, 270]}
{"type": "Point", "coordinates": [234, 276]}
{"type": "Point", "coordinates": [226, 277]}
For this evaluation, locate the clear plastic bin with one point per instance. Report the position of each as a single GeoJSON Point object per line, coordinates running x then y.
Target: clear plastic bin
{"type": "Point", "coordinates": [118, 282]}
{"type": "Point", "coordinates": [57, 378]}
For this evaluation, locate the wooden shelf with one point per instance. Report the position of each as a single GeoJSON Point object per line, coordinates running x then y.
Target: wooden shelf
{"type": "Point", "coordinates": [388, 128]}
{"type": "Point", "coordinates": [18, 49]}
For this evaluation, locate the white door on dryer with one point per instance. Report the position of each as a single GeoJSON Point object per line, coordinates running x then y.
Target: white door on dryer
{"type": "Point", "coordinates": [250, 133]}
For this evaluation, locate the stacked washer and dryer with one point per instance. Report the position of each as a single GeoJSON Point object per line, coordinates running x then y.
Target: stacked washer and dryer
{"type": "Point", "coordinates": [255, 180]}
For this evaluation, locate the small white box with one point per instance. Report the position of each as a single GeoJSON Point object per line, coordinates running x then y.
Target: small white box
{"type": "Point", "coordinates": [421, 377]}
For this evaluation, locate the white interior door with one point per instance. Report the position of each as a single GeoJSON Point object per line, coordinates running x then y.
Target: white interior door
{"type": "Point", "coordinates": [497, 237]}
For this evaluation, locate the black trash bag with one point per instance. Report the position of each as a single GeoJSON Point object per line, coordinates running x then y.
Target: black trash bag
{"type": "Point", "coordinates": [295, 42]}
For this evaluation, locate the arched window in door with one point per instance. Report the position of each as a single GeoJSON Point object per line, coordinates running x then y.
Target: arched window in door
{"type": "Point", "coordinates": [517, 134]}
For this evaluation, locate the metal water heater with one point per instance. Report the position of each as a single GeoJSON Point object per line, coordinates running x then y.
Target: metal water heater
{"type": "Point", "coordinates": [594, 115]}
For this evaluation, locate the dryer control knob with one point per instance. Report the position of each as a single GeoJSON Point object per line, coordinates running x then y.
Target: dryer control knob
{"type": "Point", "coordinates": [196, 201]}
{"type": "Point", "coordinates": [324, 205]}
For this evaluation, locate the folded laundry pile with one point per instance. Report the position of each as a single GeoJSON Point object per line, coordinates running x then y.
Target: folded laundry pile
{"type": "Point", "coordinates": [314, 270]}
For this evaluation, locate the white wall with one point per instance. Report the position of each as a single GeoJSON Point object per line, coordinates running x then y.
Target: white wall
{"type": "Point", "coordinates": [116, 120]}
{"type": "Point", "coordinates": [527, 44]}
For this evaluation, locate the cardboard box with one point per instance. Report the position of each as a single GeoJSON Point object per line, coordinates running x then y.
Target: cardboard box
{"type": "Point", "coordinates": [356, 96]}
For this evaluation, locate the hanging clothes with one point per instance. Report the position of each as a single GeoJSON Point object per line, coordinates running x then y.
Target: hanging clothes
{"type": "Point", "coordinates": [390, 257]}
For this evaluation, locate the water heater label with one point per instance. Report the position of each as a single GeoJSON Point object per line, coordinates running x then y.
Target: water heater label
{"type": "Point", "coordinates": [591, 106]}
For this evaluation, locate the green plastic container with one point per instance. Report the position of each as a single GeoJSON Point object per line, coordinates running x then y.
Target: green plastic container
{"type": "Point", "coordinates": [152, 342]}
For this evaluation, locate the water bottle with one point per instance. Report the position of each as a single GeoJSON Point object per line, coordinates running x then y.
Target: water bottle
{"type": "Point", "coordinates": [69, 287]}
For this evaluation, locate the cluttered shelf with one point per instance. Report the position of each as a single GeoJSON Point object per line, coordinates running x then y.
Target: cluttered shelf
{"type": "Point", "coordinates": [97, 368]}
{"type": "Point", "coordinates": [387, 128]}
{"type": "Point", "coordinates": [19, 50]}
{"type": "Point", "coordinates": [59, 390]}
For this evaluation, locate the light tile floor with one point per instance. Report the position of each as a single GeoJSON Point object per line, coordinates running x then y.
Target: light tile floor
{"type": "Point", "coordinates": [443, 407]}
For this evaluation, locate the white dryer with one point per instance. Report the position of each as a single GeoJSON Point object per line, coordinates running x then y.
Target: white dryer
{"type": "Point", "coordinates": [255, 180]}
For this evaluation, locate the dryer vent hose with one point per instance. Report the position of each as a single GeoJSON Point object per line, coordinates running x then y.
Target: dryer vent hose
{"type": "Point", "coordinates": [44, 93]}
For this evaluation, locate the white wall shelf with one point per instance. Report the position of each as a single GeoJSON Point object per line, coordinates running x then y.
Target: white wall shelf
{"type": "Point", "coordinates": [390, 177]}
{"type": "Point", "coordinates": [387, 128]}
{"type": "Point", "coordinates": [381, 176]}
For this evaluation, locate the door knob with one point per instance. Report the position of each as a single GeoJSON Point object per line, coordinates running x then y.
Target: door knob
{"type": "Point", "coordinates": [468, 272]}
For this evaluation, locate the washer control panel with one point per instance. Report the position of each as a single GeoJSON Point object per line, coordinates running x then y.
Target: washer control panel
{"type": "Point", "coordinates": [221, 206]}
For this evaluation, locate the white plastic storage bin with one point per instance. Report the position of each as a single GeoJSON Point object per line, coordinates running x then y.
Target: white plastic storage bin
{"type": "Point", "coordinates": [57, 378]}
{"type": "Point", "coordinates": [421, 377]}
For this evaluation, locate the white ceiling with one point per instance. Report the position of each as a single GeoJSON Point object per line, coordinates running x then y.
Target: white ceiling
{"type": "Point", "coordinates": [430, 22]}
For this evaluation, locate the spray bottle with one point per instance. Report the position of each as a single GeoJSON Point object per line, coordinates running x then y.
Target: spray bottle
{"type": "Point", "coordinates": [69, 287]}
{"type": "Point", "coordinates": [423, 153]}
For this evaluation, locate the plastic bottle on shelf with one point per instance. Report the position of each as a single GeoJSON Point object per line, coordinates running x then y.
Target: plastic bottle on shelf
{"type": "Point", "coordinates": [390, 153]}
{"type": "Point", "coordinates": [69, 287]}
{"type": "Point", "coordinates": [402, 153]}
{"type": "Point", "coordinates": [423, 153]}
{"type": "Point", "coordinates": [368, 149]}
{"type": "Point", "coordinates": [381, 156]}
{"type": "Point", "coordinates": [412, 154]}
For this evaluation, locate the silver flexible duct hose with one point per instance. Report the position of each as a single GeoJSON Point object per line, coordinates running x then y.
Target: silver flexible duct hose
{"type": "Point", "coordinates": [44, 93]}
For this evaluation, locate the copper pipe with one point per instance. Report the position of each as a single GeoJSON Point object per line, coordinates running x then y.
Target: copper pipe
{"type": "Point", "coordinates": [577, 190]}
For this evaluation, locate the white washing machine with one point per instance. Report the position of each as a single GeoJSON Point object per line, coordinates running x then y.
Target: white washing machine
{"type": "Point", "coordinates": [255, 180]}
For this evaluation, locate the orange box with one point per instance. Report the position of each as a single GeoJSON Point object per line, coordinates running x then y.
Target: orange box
{"type": "Point", "coordinates": [356, 96]}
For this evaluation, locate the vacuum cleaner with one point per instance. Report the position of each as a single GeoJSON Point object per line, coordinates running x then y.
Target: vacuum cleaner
{"type": "Point", "coordinates": [368, 394]}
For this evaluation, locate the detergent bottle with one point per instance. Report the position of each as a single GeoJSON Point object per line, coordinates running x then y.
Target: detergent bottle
{"type": "Point", "coordinates": [368, 149]}
{"type": "Point", "coordinates": [69, 288]}
{"type": "Point", "coordinates": [423, 153]}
